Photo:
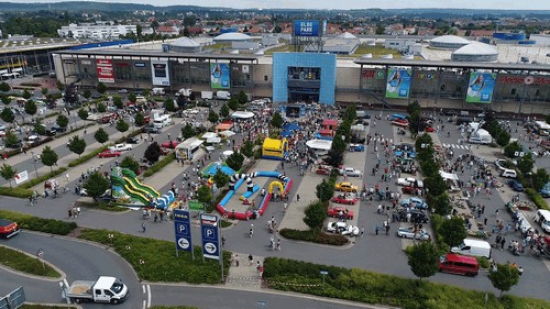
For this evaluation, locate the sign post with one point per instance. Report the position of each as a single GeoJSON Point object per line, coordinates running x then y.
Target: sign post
{"type": "Point", "coordinates": [40, 255]}
{"type": "Point", "coordinates": [210, 232]}
{"type": "Point", "coordinates": [182, 227]}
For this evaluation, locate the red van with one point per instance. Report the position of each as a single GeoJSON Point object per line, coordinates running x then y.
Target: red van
{"type": "Point", "coordinates": [458, 264]}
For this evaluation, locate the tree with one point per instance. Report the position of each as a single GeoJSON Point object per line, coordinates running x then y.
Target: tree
{"type": "Point", "coordinates": [441, 204]}
{"type": "Point", "coordinates": [49, 157]}
{"type": "Point", "coordinates": [8, 172]}
{"type": "Point", "coordinates": [5, 87]}
{"type": "Point", "coordinates": [101, 88]}
{"type": "Point", "coordinates": [213, 116]}
{"type": "Point", "coordinates": [526, 163]}
{"type": "Point", "coordinates": [153, 152]}
{"type": "Point", "coordinates": [44, 91]}
{"type": "Point", "coordinates": [414, 106]}
{"type": "Point", "coordinates": [154, 25]}
{"type": "Point", "coordinates": [315, 215]}
{"type": "Point", "coordinates": [77, 145]}
{"type": "Point", "coordinates": [117, 101]}
{"type": "Point", "coordinates": [62, 121]}
{"type": "Point", "coordinates": [504, 278]}
{"type": "Point", "coordinates": [187, 131]}
{"type": "Point", "coordinates": [423, 259]}
{"type": "Point", "coordinates": [6, 99]}
{"type": "Point", "coordinates": [130, 163]}
{"type": "Point", "coordinates": [87, 94]}
{"type": "Point", "coordinates": [325, 190]}
{"type": "Point", "coordinates": [101, 108]}
{"type": "Point", "coordinates": [26, 94]}
{"type": "Point", "coordinates": [453, 231]}
{"type": "Point", "coordinates": [511, 149]}
{"type": "Point", "coordinates": [235, 161]}
{"type": "Point", "coordinates": [122, 126]}
{"type": "Point", "coordinates": [139, 119]}
{"type": "Point", "coordinates": [277, 121]}
{"type": "Point", "coordinates": [247, 149]}
{"type": "Point", "coordinates": [380, 29]}
{"type": "Point", "coordinates": [204, 195]}
{"type": "Point", "coordinates": [186, 31]}
{"type": "Point", "coordinates": [540, 178]}
{"type": "Point", "coordinates": [435, 184]}
{"type": "Point", "coordinates": [101, 136]}
{"type": "Point", "coordinates": [60, 86]}
{"type": "Point", "coordinates": [132, 97]}
{"type": "Point", "coordinates": [224, 111]}
{"type": "Point", "coordinates": [503, 138]}
{"type": "Point", "coordinates": [220, 178]}
{"type": "Point", "coordinates": [96, 185]}
{"type": "Point", "coordinates": [414, 122]}
{"type": "Point", "coordinates": [233, 104]}
{"type": "Point", "coordinates": [83, 114]}
{"type": "Point", "coordinates": [169, 105]}
{"type": "Point", "coordinates": [277, 29]}
{"type": "Point", "coordinates": [7, 115]}
{"type": "Point", "coordinates": [242, 98]}
{"type": "Point", "coordinates": [39, 128]}
{"type": "Point", "coordinates": [11, 140]}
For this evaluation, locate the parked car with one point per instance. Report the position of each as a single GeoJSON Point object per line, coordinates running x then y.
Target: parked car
{"type": "Point", "coordinates": [8, 228]}
{"type": "Point", "coordinates": [501, 164]}
{"type": "Point", "coordinates": [109, 154]}
{"type": "Point", "coordinates": [545, 191]}
{"type": "Point", "coordinates": [410, 182]}
{"type": "Point", "coordinates": [344, 199]}
{"type": "Point", "coordinates": [516, 185]}
{"type": "Point", "coordinates": [58, 128]}
{"type": "Point", "coordinates": [323, 170]}
{"type": "Point", "coordinates": [121, 147]}
{"type": "Point", "coordinates": [356, 147]}
{"type": "Point", "coordinates": [342, 228]}
{"type": "Point", "coordinates": [417, 215]}
{"type": "Point", "coordinates": [335, 213]}
{"type": "Point", "coordinates": [132, 140]}
{"type": "Point", "coordinates": [351, 172]}
{"type": "Point", "coordinates": [150, 128]}
{"type": "Point", "coordinates": [345, 186]}
{"type": "Point", "coordinates": [170, 144]}
{"type": "Point", "coordinates": [413, 202]}
{"type": "Point", "coordinates": [409, 232]}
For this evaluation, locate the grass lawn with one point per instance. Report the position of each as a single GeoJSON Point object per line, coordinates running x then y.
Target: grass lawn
{"type": "Point", "coordinates": [155, 260]}
{"type": "Point", "coordinates": [26, 264]}
{"type": "Point", "coordinates": [102, 206]}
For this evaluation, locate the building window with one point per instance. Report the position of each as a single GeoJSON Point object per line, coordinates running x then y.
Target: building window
{"type": "Point", "coordinates": [266, 78]}
{"type": "Point", "coordinates": [514, 91]}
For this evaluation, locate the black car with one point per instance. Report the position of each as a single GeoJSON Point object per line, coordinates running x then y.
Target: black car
{"type": "Point", "coordinates": [416, 215]}
{"type": "Point", "coordinates": [150, 129]}
{"type": "Point", "coordinates": [132, 140]}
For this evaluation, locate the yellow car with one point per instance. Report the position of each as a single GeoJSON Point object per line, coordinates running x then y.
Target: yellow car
{"type": "Point", "coordinates": [345, 186]}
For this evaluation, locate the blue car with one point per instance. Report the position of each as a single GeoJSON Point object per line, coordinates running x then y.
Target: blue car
{"type": "Point", "coordinates": [398, 117]}
{"type": "Point", "coordinates": [545, 191]}
{"type": "Point", "coordinates": [413, 202]}
{"type": "Point", "coordinates": [356, 147]}
{"type": "Point", "coordinates": [516, 185]}
{"type": "Point", "coordinates": [408, 154]}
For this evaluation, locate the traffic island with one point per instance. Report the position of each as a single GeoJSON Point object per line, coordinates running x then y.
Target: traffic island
{"type": "Point", "coordinates": [26, 263]}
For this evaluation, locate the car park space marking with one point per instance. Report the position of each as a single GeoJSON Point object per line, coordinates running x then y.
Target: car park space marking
{"type": "Point", "coordinates": [149, 296]}
{"type": "Point", "coordinates": [465, 147]}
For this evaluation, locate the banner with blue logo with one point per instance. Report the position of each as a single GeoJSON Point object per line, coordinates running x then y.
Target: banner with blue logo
{"type": "Point", "coordinates": [306, 28]}
{"type": "Point", "coordinates": [481, 87]}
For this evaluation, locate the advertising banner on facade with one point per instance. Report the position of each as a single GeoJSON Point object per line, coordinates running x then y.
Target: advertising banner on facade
{"type": "Point", "coordinates": [182, 225]}
{"type": "Point", "coordinates": [210, 237]}
{"type": "Point", "coordinates": [306, 28]}
{"type": "Point", "coordinates": [219, 76]}
{"type": "Point", "coordinates": [399, 83]}
{"type": "Point", "coordinates": [481, 87]}
{"type": "Point", "coordinates": [159, 73]}
{"type": "Point", "coordinates": [105, 73]}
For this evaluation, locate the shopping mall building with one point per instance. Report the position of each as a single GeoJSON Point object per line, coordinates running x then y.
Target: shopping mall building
{"type": "Point", "coordinates": [317, 77]}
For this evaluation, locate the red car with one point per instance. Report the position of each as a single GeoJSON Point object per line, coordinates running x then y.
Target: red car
{"type": "Point", "coordinates": [322, 171]}
{"type": "Point", "coordinates": [400, 122]}
{"type": "Point", "coordinates": [170, 144]}
{"type": "Point", "coordinates": [408, 190]}
{"type": "Point", "coordinates": [8, 228]}
{"type": "Point", "coordinates": [430, 129]}
{"type": "Point", "coordinates": [335, 212]}
{"type": "Point", "coordinates": [344, 200]}
{"type": "Point", "coordinates": [109, 154]}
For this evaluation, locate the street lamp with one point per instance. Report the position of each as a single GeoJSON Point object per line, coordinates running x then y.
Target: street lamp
{"type": "Point", "coordinates": [34, 163]}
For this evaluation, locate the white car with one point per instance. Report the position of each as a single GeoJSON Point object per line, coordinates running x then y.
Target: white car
{"type": "Point", "coordinates": [342, 228]}
{"type": "Point", "coordinates": [120, 147]}
{"type": "Point", "coordinates": [351, 172]}
{"type": "Point", "coordinates": [408, 232]}
{"type": "Point", "coordinates": [410, 182]}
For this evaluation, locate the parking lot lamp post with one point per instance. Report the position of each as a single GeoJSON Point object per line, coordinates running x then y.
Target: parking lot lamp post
{"type": "Point", "coordinates": [34, 163]}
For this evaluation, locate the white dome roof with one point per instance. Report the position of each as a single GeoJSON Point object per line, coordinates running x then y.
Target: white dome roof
{"type": "Point", "coordinates": [232, 36]}
{"type": "Point", "coordinates": [476, 48]}
{"type": "Point", "coordinates": [450, 39]}
{"type": "Point", "coordinates": [185, 42]}
{"type": "Point", "coordinates": [346, 36]}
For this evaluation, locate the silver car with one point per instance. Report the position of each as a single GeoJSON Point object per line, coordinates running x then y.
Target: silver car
{"type": "Point", "coordinates": [408, 232]}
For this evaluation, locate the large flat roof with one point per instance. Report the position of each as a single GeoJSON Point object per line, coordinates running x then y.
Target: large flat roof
{"type": "Point", "coordinates": [155, 54]}
{"type": "Point", "coordinates": [453, 64]}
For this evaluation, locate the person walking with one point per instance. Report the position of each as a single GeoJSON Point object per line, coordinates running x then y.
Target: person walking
{"type": "Point", "coordinates": [278, 248]}
{"type": "Point", "coordinates": [297, 197]}
{"type": "Point", "coordinates": [387, 229]}
{"type": "Point", "coordinates": [143, 227]}
{"type": "Point", "coordinates": [362, 232]}
{"type": "Point", "coordinates": [251, 230]}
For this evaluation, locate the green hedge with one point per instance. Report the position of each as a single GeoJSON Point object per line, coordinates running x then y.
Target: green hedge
{"type": "Point", "coordinates": [113, 207]}
{"type": "Point", "coordinates": [15, 192]}
{"type": "Point", "coordinates": [539, 201]}
{"type": "Point", "coordinates": [314, 235]}
{"type": "Point", "coordinates": [35, 181]}
{"type": "Point", "coordinates": [26, 264]}
{"type": "Point", "coordinates": [28, 222]}
{"type": "Point", "coordinates": [160, 263]}
{"type": "Point", "coordinates": [159, 165]}
{"type": "Point", "coordinates": [373, 288]}
{"type": "Point", "coordinates": [87, 157]}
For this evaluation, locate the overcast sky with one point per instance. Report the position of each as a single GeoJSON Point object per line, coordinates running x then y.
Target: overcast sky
{"type": "Point", "coordinates": [345, 4]}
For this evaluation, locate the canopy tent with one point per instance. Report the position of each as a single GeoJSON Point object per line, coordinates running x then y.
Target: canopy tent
{"type": "Point", "coordinates": [209, 135]}
{"type": "Point", "coordinates": [224, 126]}
{"type": "Point", "coordinates": [242, 115]}
{"type": "Point", "coordinates": [319, 144]}
{"type": "Point", "coordinates": [448, 176]}
{"type": "Point", "coordinates": [214, 140]}
{"type": "Point", "coordinates": [227, 133]}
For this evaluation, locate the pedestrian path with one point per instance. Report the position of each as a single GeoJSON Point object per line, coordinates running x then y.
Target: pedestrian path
{"type": "Point", "coordinates": [457, 146]}
{"type": "Point", "coordinates": [244, 272]}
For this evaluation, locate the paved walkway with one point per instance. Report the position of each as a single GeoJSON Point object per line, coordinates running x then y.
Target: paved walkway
{"type": "Point", "coordinates": [244, 273]}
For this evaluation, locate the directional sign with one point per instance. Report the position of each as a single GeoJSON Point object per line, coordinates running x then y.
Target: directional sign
{"type": "Point", "coordinates": [182, 226]}
{"type": "Point", "coordinates": [210, 237]}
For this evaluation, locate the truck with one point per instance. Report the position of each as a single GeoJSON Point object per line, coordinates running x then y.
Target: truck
{"type": "Point", "coordinates": [104, 290]}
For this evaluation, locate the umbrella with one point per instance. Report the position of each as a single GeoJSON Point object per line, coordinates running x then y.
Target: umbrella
{"type": "Point", "coordinates": [227, 133]}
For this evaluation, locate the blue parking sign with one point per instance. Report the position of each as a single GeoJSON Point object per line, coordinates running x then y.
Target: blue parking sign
{"type": "Point", "coordinates": [210, 236]}
{"type": "Point", "coordinates": [182, 226]}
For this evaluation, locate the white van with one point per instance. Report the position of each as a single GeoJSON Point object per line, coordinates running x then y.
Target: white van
{"type": "Point", "coordinates": [162, 121]}
{"type": "Point", "coordinates": [223, 95]}
{"type": "Point", "coordinates": [508, 173]}
{"type": "Point", "coordinates": [473, 247]}
{"type": "Point", "coordinates": [543, 218]}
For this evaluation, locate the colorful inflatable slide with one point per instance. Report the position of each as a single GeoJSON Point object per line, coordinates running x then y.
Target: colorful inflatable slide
{"type": "Point", "coordinates": [127, 181]}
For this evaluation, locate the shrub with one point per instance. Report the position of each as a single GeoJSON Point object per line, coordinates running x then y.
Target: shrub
{"type": "Point", "coordinates": [32, 223]}
{"type": "Point", "coordinates": [539, 201]}
{"type": "Point", "coordinates": [314, 235]}
{"type": "Point", "coordinates": [15, 192]}
{"type": "Point", "coordinates": [315, 214]}
{"type": "Point", "coordinates": [159, 260]}
{"type": "Point", "coordinates": [87, 157]}
{"type": "Point", "coordinates": [33, 182]}
{"type": "Point", "coordinates": [159, 165]}
{"type": "Point", "coordinates": [27, 264]}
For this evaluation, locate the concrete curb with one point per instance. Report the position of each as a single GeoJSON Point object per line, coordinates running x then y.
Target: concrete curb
{"type": "Point", "coordinates": [54, 305]}
{"type": "Point", "coordinates": [36, 277]}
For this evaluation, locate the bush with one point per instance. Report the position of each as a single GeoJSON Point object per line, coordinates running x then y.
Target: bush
{"type": "Point", "coordinates": [35, 181]}
{"type": "Point", "coordinates": [87, 157]}
{"type": "Point", "coordinates": [26, 264]}
{"type": "Point", "coordinates": [536, 198]}
{"type": "Point", "coordinates": [159, 165]}
{"type": "Point", "coordinates": [15, 192]}
{"type": "Point", "coordinates": [159, 260]}
{"type": "Point", "coordinates": [314, 235]}
{"type": "Point", "coordinates": [32, 223]}
{"type": "Point", "coordinates": [315, 214]}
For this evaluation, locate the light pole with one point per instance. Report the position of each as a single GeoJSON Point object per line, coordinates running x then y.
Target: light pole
{"type": "Point", "coordinates": [34, 163]}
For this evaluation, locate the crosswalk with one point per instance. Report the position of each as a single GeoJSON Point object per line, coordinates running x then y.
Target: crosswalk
{"type": "Point", "coordinates": [380, 140]}
{"type": "Point", "coordinates": [455, 146]}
